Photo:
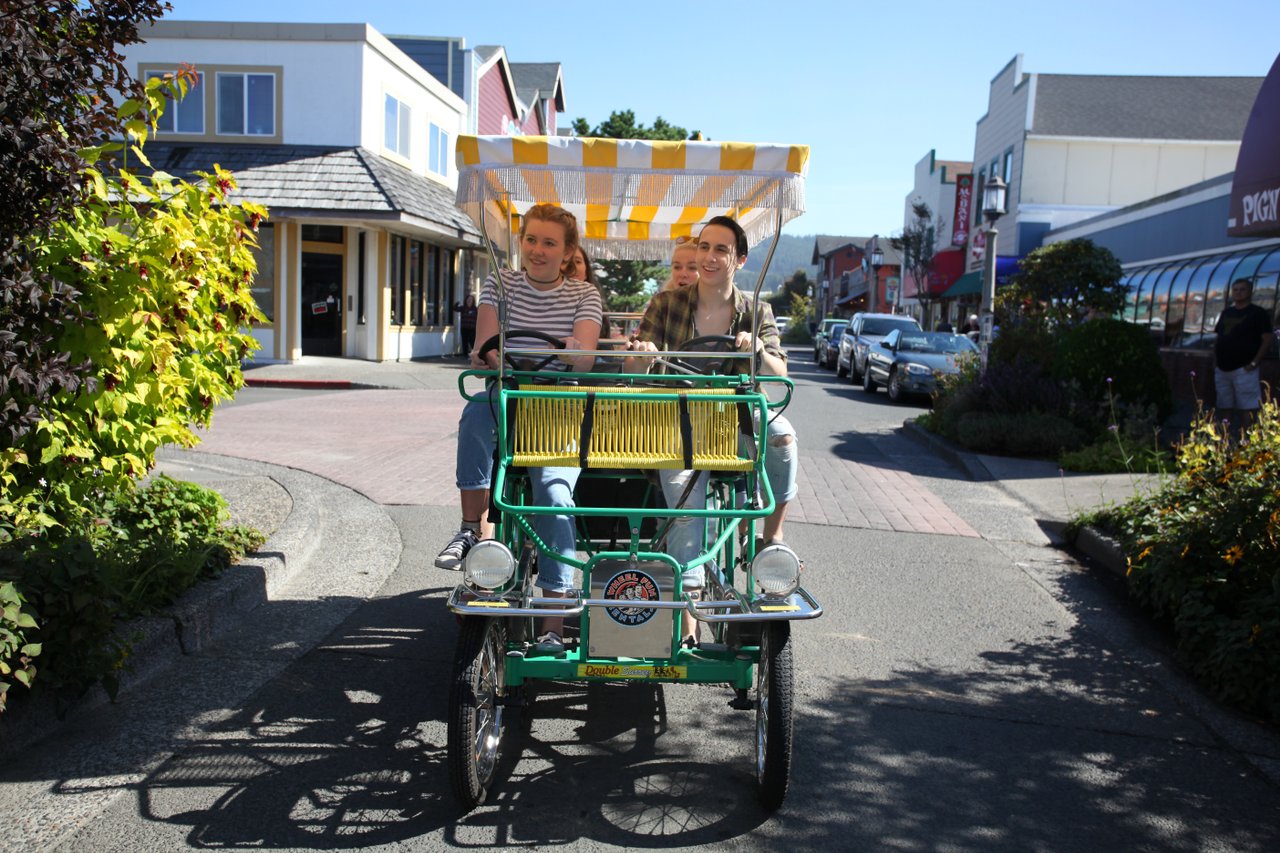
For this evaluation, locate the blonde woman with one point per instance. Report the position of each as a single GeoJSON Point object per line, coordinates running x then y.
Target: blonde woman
{"type": "Point", "coordinates": [684, 266]}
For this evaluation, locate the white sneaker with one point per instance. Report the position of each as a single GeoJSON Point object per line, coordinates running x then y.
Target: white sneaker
{"type": "Point", "coordinates": [451, 557]}
{"type": "Point", "coordinates": [549, 643]}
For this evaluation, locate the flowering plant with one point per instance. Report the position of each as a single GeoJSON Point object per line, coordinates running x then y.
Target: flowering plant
{"type": "Point", "coordinates": [1204, 553]}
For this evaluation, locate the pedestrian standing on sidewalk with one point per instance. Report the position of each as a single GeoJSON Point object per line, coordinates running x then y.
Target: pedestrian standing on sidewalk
{"type": "Point", "coordinates": [1243, 335]}
{"type": "Point", "coordinates": [467, 311]}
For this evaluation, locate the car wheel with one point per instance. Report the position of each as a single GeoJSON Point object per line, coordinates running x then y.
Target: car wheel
{"type": "Point", "coordinates": [855, 375]}
{"type": "Point", "coordinates": [896, 392]}
{"type": "Point", "coordinates": [868, 384]}
{"type": "Point", "coordinates": [840, 370]}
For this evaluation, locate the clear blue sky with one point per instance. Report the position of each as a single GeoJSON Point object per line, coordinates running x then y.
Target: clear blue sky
{"type": "Point", "coordinates": [870, 87]}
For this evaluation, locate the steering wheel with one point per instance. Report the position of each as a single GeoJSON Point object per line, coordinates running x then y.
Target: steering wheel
{"type": "Point", "coordinates": [527, 362]}
{"type": "Point", "coordinates": [711, 343]}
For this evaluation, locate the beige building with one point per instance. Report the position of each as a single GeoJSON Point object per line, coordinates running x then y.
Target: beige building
{"type": "Point", "coordinates": [1072, 146]}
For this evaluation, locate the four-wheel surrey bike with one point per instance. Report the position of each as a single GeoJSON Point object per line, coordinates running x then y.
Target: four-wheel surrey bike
{"type": "Point", "coordinates": [633, 199]}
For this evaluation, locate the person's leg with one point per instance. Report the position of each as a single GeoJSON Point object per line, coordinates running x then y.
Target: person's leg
{"type": "Point", "coordinates": [1224, 384]}
{"type": "Point", "coordinates": [476, 441]}
{"type": "Point", "coordinates": [1248, 393]}
{"type": "Point", "coordinates": [554, 487]}
{"type": "Point", "coordinates": [687, 536]}
{"type": "Point", "coordinates": [781, 465]}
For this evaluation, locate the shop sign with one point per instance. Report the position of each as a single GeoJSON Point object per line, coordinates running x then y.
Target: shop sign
{"type": "Point", "coordinates": [964, 195]}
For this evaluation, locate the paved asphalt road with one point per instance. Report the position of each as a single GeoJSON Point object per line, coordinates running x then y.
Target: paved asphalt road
{"type": "Point", "coordinates": [970, 688]}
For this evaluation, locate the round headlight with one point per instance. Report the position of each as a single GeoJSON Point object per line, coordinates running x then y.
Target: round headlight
{"type": "Point", "coordinates": [488, 565]}
{"type": "Point", "coordinates": [777, 571]}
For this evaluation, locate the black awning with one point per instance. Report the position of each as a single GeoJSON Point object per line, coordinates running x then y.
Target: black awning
{"type": "Point", "coordinates": [1255, 189]}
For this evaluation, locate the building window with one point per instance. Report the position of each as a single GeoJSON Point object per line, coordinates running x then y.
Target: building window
{"type": "Point", "coordinates": [398, 120]}
{"type": "Point", "coordinates": [397, 279]}
{"type": "Point", "coordinates": [439, 159]}
{"type": "Point", "coordinates": [1007, 171]}
{"type": "Point", "coordinates": [416, 261]}
{"type": "Point", "coordinates": [186, 115]}
{"type": "Point", "coordinates": [246, 104]}
{"type": "Point", "coordinates": [264, 282]}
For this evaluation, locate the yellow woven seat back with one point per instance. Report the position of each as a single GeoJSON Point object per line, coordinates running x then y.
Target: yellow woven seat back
{"type": "Point", "coordinates": [627, 433]}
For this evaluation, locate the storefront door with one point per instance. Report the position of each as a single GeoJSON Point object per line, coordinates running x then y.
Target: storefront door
{"type": "Point", "coordinates": [321, 303]}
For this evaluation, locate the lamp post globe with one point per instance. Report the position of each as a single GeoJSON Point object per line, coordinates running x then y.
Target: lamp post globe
{"type": "Point", "coordinates": [994, 195]}
{"type": "Point", "coordinates": [877, 261]}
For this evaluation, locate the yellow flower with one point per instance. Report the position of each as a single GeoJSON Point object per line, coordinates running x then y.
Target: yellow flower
{"type": "Point", "coordinates": [1233, 555]}
{"type": "Point", "coordinates": [1185, 549]}
{"type": "Point", "coordinates": [1146, 552]}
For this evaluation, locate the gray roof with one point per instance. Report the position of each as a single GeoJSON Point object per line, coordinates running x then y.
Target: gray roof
{"type": "Point", "coordinates": [485, 51]}
{"type": "Point", "coordinates": [538, 79]}
{"type": "Point", "coordinates": [825, 244]}
{"type": "Point", "coordinates": [351, 181]}
{"type": "Point", "coordinates": [1115, 107]}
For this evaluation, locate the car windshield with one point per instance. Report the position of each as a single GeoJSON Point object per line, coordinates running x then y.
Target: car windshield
{"type": "Point", "coordinates": [883, 325]}
{"type": "Point", "coordinates": [935, 342]}
{"type": "Point", "coordinates": [837, 331]}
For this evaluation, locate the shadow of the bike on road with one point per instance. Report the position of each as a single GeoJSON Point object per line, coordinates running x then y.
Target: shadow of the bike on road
{"type": "Point", "coordinates": [346, 749]}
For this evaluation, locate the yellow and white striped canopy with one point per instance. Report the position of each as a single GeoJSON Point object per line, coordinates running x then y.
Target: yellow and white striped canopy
{"type": "Point", "coordinates": [633, 197]}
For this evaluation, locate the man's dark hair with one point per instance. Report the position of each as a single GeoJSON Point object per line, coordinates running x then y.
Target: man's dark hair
{"type": "Point", "coordinates": [1247, 282]}
{"type": "Point", "coordinates": [740, 236]}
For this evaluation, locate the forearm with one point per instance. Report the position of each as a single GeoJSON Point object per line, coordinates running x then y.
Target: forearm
{"type": "Point", "coordinates": [771, 364]}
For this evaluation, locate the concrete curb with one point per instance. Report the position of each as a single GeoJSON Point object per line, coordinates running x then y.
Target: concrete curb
{"type": "Point", "coordinates": [315, 384]}
{"type": "Point", "coordinates": [965, 461]}
{"type": "Point", "coordinates": [194, 622]}
{"type": "Point", "coordinates": [1102, 549]}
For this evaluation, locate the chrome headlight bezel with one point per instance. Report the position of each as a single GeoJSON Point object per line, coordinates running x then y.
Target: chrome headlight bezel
{"type": "Point", "coordinates": [488, 565]}
{"type": "Point", "coordinates": [776, 570]}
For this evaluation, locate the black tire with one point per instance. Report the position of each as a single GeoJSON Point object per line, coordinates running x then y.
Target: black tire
{"type": "Point", "coordinates": [855, 375]}
{"type": "Point", "coordinates": [841, 371]}
{"type": "Point", "coordinates": [868, 384]}
{"type": "Point", "coordinates": [475, 709]}
{"type": "Point", "coordinates": [895, 390]}
{"type": "Point", "coordinates": [774, 707]}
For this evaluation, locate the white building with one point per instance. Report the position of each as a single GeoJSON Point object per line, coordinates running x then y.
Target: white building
{"type": "Point", "coordinates": [349, 142]}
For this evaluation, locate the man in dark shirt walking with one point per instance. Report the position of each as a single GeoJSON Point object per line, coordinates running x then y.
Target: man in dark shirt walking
{"type": "Point", "coordinates": [1243, 336]}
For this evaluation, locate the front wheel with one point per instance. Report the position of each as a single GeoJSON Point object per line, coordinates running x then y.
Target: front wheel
{"type": "Point", "coordinates": [475, 708]}
{"type": "Point", "coordinates": [896, 392]}
{"type": "Point", "coordinates": [774, 704]}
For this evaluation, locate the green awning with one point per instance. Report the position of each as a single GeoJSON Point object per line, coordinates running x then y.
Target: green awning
{"type": "Point", "coordinates": [969, 284]}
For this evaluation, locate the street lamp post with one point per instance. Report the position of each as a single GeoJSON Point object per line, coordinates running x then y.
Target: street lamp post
{"type": "Point", "coordinates": [993, 207]}
{"type": "Point", "coordinates": [877, 261]}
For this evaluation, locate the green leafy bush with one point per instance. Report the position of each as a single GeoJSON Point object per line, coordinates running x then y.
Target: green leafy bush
{"type": "Point", "coordinates": [1117, 453]}
{"type": "Point", "coordinates": [1113, 359]}
{"type": "Point", "coordinates": [1204, 553]}
{"type": "Point", "coordinates": [16, 652]}
{"type": "Point", "coordinates": [1022, 434]}
{"type": "Point", "coordinates": [81, 583]}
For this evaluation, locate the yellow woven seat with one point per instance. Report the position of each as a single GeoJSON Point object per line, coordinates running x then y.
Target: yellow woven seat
{"type": "Point", "coordinates": [627, 433]}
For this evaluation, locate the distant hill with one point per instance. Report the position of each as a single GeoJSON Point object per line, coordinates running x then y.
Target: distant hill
{"type": "Point", "coordinates": [793, 253]}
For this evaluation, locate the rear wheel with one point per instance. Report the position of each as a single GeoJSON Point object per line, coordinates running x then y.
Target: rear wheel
{"type": "Point", "coordinates": [855, 375]}
{"type": "Point", "coordinates": [868, 384]}
{"type": "Point", "coordinates": [841, 370]}
{"type": "Point", "coordinates": [774, 705]}
{"type": "Point", "coordinates": [475, 708]}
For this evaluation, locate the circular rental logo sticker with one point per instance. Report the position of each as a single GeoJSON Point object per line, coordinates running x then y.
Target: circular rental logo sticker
{"type": "Point", "coordinates": [632, 586]}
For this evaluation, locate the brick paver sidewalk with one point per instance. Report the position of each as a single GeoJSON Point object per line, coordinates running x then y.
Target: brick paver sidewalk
{"type": "Point", "coordinates": [398, 446]}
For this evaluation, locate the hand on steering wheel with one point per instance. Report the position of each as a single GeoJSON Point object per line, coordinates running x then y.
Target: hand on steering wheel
{"type": "Point", "coordinates": [526, 362]}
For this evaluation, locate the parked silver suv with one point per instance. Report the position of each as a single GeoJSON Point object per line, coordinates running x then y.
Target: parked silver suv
{"type": "Point", "coordinates": [866, 331]}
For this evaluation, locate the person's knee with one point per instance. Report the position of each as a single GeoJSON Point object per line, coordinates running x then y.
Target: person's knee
{"type": "Point", "coordinates": [782, 441]}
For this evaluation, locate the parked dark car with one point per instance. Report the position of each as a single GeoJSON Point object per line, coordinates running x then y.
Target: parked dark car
{"type": "Point", "coordinates": [909, 362]}
{"type": "Point", "coordinates": [831, 345]}
{"type": "Point", "coordinates": [866, 331]}
{"type": "Point", "coordinates": [820, 336]}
